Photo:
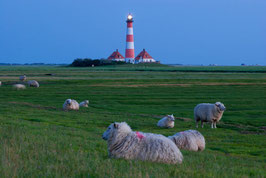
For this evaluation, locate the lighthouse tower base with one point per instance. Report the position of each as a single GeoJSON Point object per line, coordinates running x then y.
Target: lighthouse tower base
{"type": "Point", "coordinates": [130, 60]}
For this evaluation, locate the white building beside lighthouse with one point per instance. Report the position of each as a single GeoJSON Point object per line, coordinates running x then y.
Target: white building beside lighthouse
{"type": "Point", "coordinates": [144, 56]}
{"type": "Point", "coordinates": [116, 56]}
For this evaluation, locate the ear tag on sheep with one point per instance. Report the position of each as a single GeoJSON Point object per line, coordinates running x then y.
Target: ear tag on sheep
{"type": "Point", "coordinates": [139, 135]}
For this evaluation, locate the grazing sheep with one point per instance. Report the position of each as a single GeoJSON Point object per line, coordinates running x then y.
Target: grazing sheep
{"type": "Point", "coordinates": [19, 87]}
{"type": "Point", "coordinates": [71, 105]}
{"type": "Point", "coordinates": [206, 112]}
{"type": "Point", "coordinates": [167, 122]}
{"type": "Point", "coordinates": [191, 140]}
{"type": "Point", "coordinates": [33, 83]}
{"type": "Point", "coordinates": [84, 103]}
{"type": "Point", "coordinates": [22, 77]}
{"type": "Point", "coordinates": [124, 143]}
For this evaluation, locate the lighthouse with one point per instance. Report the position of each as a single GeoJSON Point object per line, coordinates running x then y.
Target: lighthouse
{"type": "Point", "coordinates": [130, 54]}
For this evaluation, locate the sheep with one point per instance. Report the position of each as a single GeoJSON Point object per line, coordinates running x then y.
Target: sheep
{"type": "Point", "coordinates": [71, 105]}
{"type": "Point", "coordinates": [22, 77]}
{"type": "Point", "coordinates": [167, 122]}
{"type": "Point", "coordinates": [19, 86]}
{"type": "Point", "coordinates": [84, 103]}
{"type": "Point", "coordinates": [124, 143]}
{"type": "Point", "coordinates": [191, 140]}
{"type": "Point", "coordinates": [33, 83]}
{"type": "Point", "coordinates": [206, 112]}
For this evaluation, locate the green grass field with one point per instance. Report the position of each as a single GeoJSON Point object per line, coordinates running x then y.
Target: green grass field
{"type": "Point", "coordinates": [38, 139]}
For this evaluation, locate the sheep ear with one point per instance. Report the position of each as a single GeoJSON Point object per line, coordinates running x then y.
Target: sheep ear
{"type": "Point", "coordinates": [115, 125]}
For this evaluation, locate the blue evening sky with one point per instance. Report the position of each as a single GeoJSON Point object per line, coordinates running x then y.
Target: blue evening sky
{"type": "Point", "coordinates": [224, 32]}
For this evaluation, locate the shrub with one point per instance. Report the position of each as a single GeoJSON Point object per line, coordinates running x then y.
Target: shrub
{"type": "Point", "coordinates": [87, 62]}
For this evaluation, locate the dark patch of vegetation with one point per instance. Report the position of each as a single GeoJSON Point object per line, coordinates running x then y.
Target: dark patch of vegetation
{"type": "Point", "coordinates": [87, 62]}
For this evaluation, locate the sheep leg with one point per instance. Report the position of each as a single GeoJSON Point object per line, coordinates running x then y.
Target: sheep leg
{"type": "Point", "coordinates": [215, 125]}
{"type": "Point", "coordinates": [212, 125]}
{"type": "Point", "coordinates": [202, 123]}
{"type": "Point", "coordinates": [197, 125]}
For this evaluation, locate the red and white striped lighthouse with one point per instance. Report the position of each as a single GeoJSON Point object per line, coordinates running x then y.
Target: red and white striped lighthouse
{"type": "Point", "coordinates": [130, 54]}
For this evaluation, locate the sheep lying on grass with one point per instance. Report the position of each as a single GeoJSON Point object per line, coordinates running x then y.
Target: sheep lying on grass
{"type": "Point", "coordinates": [22, 77]}
{"type": "Point", "coordinates": [124, 143]}
{"type": "Point", "coordinates": [206, 112]}
{"type": "Point", "coordinates": [33, 83]}
{"type": "Point", "coordinates": [191, 140]}
{"type": "Point", "coordinates": [19, 87]}
{"type": "Point", "coordinates": [84, 103]}
{"type": "Point", "coordinates": [71, 105]}
{"type": "Point", "coordinates": [167, 122]}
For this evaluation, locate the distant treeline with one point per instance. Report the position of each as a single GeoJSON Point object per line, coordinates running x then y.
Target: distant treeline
{"type": "Point", "coordinates": [87, 62]}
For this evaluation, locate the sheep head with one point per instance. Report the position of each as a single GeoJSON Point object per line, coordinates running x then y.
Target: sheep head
{"type": "Point", "coordinates": [68, 101]}
{"type": "Point", "coordinates": [171, 118]}
{"type": "Point", "coordinates": [116, 129]}
{"type": "Point", "coordinates": [220, 106]}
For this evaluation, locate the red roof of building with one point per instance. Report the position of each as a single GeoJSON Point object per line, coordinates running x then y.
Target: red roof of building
{"type": "Point", "coordinates": [143, 55]}
{"type": "Point", "coordinates": [116, 55]}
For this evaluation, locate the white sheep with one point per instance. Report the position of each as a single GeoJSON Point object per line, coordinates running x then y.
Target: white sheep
{"type": "Point", "coordinates": [33, 83]}
{"type": "Point", "coordinates": [71, 105]}
{"type": "Point", "coordinates": [124, 143]}
{"type": "Point", "coordinates": [191, 140]}
{"type": "Point", "coordinates": [84, 103]}
{"type": "Point", "coordinates": [22, 77]}
{"type": "Point", "coordinates": [167, 122]}
{"type": "Point", "coordinates": [206, 112]}
{"type": "Point", "coordinates": [19, 86]}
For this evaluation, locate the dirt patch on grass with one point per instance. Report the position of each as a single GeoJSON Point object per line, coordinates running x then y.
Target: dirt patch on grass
{"type": "Point", "coordinates": [169, 84]}
{"type": "Point", "coordinates": [233, 83]}
{"type": "Point", "coordinates": [263, 128]}
{"type": "Point", "coordinates": [249, 132]}
{"type": "Point", "coordinates": [138, 85]}
{"type": "Point", "coordinates": [246, 129]}
{"type": "Point", "coordinates": [184, 119]}
{"type": "Point", "coordinates": [33, 105]}
{"type": "Point", "coordinates": [148, 85]}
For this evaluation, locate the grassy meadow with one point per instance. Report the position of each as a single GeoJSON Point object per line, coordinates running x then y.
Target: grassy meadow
{"type": "Point", "coordinates": [38, 139]}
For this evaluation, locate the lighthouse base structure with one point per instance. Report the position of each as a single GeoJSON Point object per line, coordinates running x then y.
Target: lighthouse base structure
{"type": "Point", "coordinates": [130, 60]}
{"type": "Point", "coordinates": [145, 61]}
